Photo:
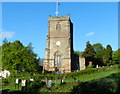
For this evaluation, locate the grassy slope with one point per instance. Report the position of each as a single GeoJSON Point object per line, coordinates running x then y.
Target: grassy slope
{"type": "Point", "coordinates": [70, 83]}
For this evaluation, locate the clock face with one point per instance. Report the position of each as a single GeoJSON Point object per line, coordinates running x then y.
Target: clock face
{"type": "Point", "coordinates": [58, 43]}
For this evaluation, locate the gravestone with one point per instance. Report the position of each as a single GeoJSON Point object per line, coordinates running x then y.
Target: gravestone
{"type": "Point", "coordinates": [49, 83]}
{"type": "Point", "coordinates": [96, 66]}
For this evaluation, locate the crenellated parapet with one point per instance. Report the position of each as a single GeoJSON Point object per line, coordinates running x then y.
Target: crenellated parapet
{"type": "Point", "coordinates": [59, 18]}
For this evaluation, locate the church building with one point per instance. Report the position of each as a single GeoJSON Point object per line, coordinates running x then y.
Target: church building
{"type": "Point", "coordinates": [59, 46]}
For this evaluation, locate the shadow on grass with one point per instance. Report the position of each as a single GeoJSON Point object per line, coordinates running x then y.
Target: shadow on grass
{"type": "Point", "coordinates": [32, 89]}
{"type": "Point", "coordinates": [21, 92]}
{"type": "Point", "coordinates": [106, 85]}
{"type": "Point", "coordinates": [24, 92]}
{"type": "Point", "coordinates": [6, 91]}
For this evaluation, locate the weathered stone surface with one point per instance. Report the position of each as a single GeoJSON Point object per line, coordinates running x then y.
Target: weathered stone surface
{"type": "Point", "coordinates": [82, 63]}
{"type": "Point", "coordinates": [59, 46]}
{"type": "Point", "coordinates": [59, 41]}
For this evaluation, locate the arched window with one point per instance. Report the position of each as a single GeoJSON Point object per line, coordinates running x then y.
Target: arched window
{"type": "Point", "coordinates": [58, 26]}
{"type": "Point", "coordinates": [57, 59]}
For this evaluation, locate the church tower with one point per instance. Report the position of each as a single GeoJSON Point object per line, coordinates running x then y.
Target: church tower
{"type": "Point", "coordinates": [59, 48]}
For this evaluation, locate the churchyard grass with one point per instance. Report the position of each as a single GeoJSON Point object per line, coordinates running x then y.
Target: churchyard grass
{"type": "Point", "coordinates": [67, 86]}
{"type": "Point", "coordinates": [96, 75]}
{"type": "Point", "coordinates": [88, 77]}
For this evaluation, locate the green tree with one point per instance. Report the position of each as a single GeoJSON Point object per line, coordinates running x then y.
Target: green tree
{"type": "Point", "coordinates": [99, 50]}
{"type": "Point", "coordinates": [107, 55]}
{"type": "Point", "coordinates": [109, 50]}
{"type": "Point", "coordinates": [16, 56]}
{"type": "Point", "coordinates": [89, 53]}
{"type": "Point", "coordinates": [5, 41]}
{"type": "Point", "coordinates": [116, 57]}
{"type": "Point", "coordinates": [78, 53]}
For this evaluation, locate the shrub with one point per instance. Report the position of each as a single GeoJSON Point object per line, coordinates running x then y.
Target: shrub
{"type": "Point", "coordinates": [5, 82]}
{"type": "Point", "coordinates": [37, 83]}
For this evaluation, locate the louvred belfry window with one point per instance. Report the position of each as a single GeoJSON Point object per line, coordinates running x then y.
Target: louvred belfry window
{"type": "Point", "coordinates": [58, 26]}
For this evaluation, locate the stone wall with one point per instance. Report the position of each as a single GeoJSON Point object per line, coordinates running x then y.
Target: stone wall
{"type": "Point", "coordinates": [82, 63]}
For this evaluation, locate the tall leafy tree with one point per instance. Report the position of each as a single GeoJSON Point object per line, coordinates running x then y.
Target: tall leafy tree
{"type": "Point", "coordinates": [109, 49]}
{"type": "Point", "coordinates": [99, 51]}
{"type": "Point", "coordinates": [116, 57]}
{"type": "Point", "coordinates": [107, 56]}
{"type": "Point", "coordinates": [16, 56]}
{"type": "Point", "coordinates": [89, 53]}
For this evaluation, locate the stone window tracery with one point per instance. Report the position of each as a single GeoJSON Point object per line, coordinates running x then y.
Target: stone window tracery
{"type": "Point", "coordinates": [57, 59]}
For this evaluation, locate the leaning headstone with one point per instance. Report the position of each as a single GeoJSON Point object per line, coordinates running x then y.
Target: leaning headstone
{"type": "Point", "coordinates": [46, 81]}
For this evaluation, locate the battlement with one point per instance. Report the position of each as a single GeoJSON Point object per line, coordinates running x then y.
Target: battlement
{"type": "Point", "coordinates": [56, 18]}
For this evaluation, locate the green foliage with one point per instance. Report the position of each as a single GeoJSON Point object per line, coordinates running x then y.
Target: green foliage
{"type": "Point", "coordinates": [15, 56]}
{"type": "Point", "coordinates": [81, 76]}
{"type": "Point", "coordinates": [78, 53]}
{"type": "Point", "coordinates": [116, 57]}
{"type": "Point", "coordinates": [107, 54]}
{"type": "Point", "coordinates": [106, 85]}
{"type": "Point", "coordinates": [37, 83]}
{"type": "Point", "coordinates": [100, 55]}
{"type": "Point", "coordinates": [5, 41]}
{"type": "Point", "coordinates": [88, 83]}
{"type": "Point", "coordinates": [75, 74]}
{"type": "Point", "coordinates": [5, 82]}
{"type": "Point", "coordinates": [99, 51]}
{"type": "Point", "coordinates": [89, 53]}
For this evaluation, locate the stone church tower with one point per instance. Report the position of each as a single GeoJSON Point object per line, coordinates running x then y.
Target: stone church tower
{"type": "Point", "coordinates": [59, 50]}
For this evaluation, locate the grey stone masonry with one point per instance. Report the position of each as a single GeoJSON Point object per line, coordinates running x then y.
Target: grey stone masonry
{"type": "Point", "coordinates": [59, 44]}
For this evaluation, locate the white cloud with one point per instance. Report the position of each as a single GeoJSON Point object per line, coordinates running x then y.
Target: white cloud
{"type": "Point", "coordinates": [6, 34]}
{"type": "Point", "coordinates": [90, 33]}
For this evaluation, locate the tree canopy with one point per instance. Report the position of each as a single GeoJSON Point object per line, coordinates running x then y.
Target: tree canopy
{"type": "Point", "coordinates": [18, 57]}
{"type": "Point", "coordinates": [116, 57]}
{"type": "Point", "coordinates": [89, 53]}
{"type": "Point", "coordinates": [100, 55]}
